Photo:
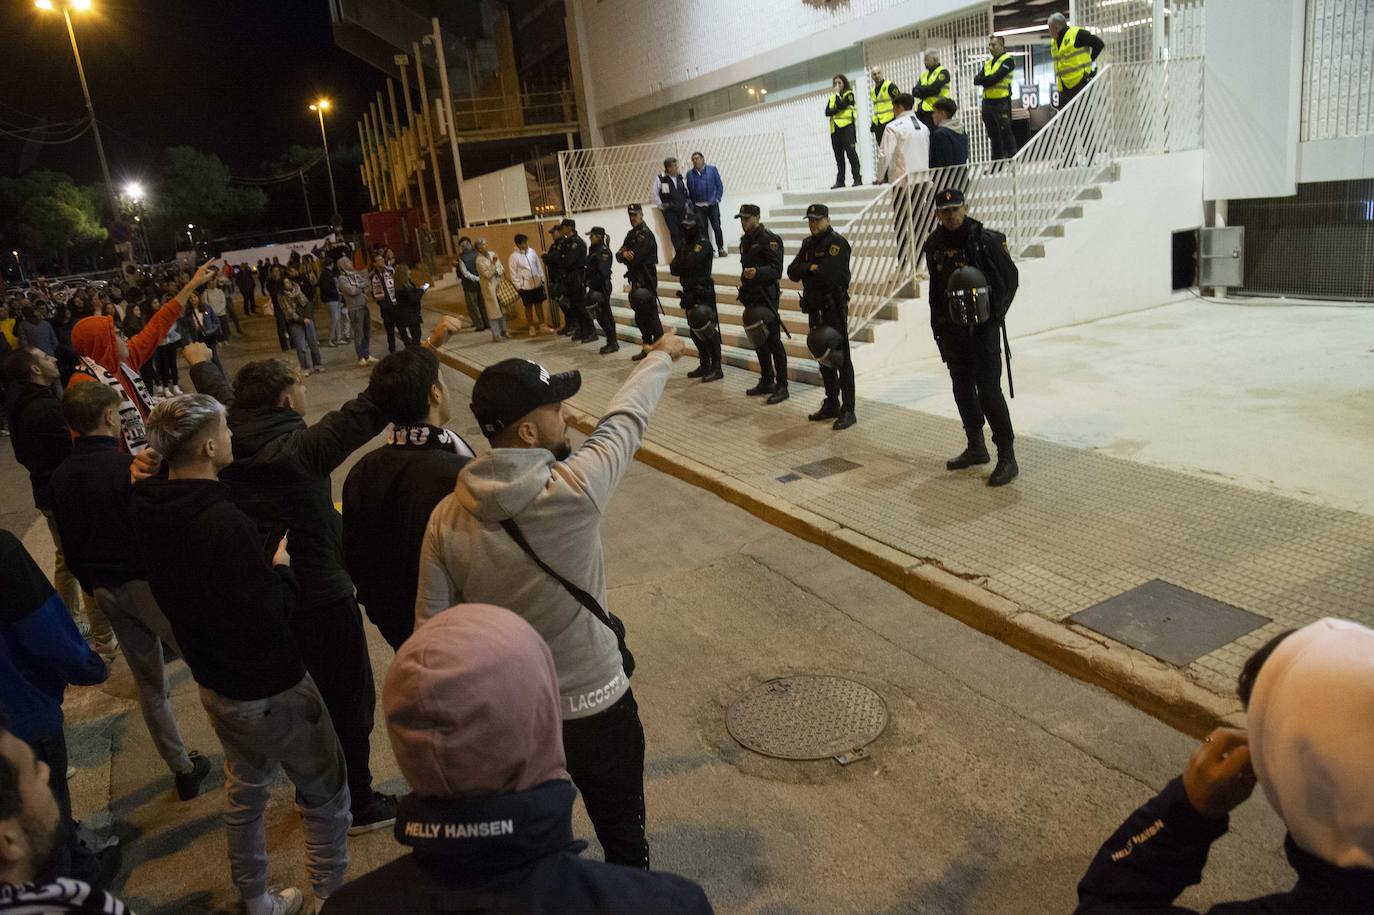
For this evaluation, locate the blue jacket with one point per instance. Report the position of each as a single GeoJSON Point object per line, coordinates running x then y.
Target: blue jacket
{"type": "Point", "coordinates": [40, 649]}
{"type": "Point", "coordinates": [706, 186]}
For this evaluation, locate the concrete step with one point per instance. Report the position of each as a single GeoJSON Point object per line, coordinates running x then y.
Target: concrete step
{"type": "Point", "coordinates": [734, 350]}
{"type": "Point", "coordinates": [730, 334]}
{"type": "Point", "coordinates": [861, 194]}
{"type": "Point", "coordinates": [789, 302]}
{"type": "Point", "coordinates": [728, 278]}
{"type": "Point", "coordinates": [1090, 193]}
{"type": "Point", "coordinates": [1070, 212]}
{"type": "Point", "coordinates": [795, 322]}
{"type": "Point", "coordinates": [797, 212]}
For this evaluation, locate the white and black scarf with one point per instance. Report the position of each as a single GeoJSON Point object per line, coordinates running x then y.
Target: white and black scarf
{"type": "Point", "coordinates": [427, 436]}
{"type": "Point", "coordinates": [130, 415]}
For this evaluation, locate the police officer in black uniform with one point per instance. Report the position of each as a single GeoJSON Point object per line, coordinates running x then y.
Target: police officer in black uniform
{"type": "Point", "coordinates": [973, 353]}
{"type": "Point", "coordinates": [692, 265]}
{"type": "Point", "coordinates": [572, 263]}
{"type": "Point", "coordinates": [760, 258]}
{"type": "Point", "coordinates": [639, 254]}
{"type": "Point", "coordinates": [597, 276]}
{"type": "Point", "coordinates": [553, 260]}
{"type": "Point", "coordinates": [822, 267]}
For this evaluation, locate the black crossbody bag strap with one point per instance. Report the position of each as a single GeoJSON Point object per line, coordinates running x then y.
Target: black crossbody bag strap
{"type": "Point", "coordinates": [583, 598]}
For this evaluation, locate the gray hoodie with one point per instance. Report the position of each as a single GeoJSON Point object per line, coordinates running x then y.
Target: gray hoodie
{"type": "Point", "coordinates": [468, 558]}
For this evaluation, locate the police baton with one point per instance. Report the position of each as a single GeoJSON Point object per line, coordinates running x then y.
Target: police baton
{"type": "Point", "coordinates": [1006, 347]}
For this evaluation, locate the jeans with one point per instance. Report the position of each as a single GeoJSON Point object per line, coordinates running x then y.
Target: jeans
{"type": "Point", "coordinates": [142, 628]}
{"type": "Point", "coordinates": [605, 754]}
{"type": "Point", "coordinates": [67, 587]}
{"type": "Point", "coordinates": [292, 732]}
{"type": "Point", "coordinates": [334, 648]}
{"type": "Point", "coordinates": [362, 330]}
{"type": "Point", "coordinates": [476, 311]}
{"type": "Point", "coordinates": [974, 359]}
{"type": "Point", "coordinates": [336, 322]}
{"type": "Point", "coordinates": [166, 364]}
{"type": "Point", "coordinates": [303, 338]}
{"type": "Point", "coordinates": [711, 214]}
{"type": "Point", "coordinates": [997, 121]}
{"type": "Point", "coordinates": [228, 316]}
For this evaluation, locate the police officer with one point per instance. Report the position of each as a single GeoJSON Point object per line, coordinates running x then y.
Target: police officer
{"type": "Point", "coordinates": [553, 261]}
{"type": "Point", "coordinates": [597, 277]}
{"type": "Point", "coordinates": [932, 84]}
{"type": "Point", "coordinates": [973, 353]}
{"type": "Point", "coordinates": [572, 263]}
{"type": "Point", "coordinates": [639, 254]}
{"type": "Point", "coordinates": [996, 82]}
{"type": "Point", "coordinates": [822, 267]}
{"type": "Point", "coordinates": [760, 258]}
{"type": "Point", "coordinates": [692, 265]}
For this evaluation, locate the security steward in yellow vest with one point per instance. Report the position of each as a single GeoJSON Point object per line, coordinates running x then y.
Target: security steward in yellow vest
{"type": "Point", "coordinates": [933, 84]}
{"type": "Point", "coordinates": [760, 260]}
{"type": "Point", "coordinates": [639, 254]}
{"type": "Point", "coordinates": [822, 267]}
{"type": "Point", "coordinates": [995, 79]}
{"type": "Point", "coordinates": [881, 92]}
{"type": "Point", "coordinates": [844, 140]}
{"type": "Point", "coordinates": [1075, 53]}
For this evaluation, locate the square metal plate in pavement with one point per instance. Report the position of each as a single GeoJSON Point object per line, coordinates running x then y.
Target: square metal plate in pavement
{"type": "Point", "coordinates": [826, 468]}
{"type": "Point", "coordinates": [1173, 624]}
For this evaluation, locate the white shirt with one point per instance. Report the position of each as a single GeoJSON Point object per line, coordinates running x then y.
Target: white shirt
{"type": "Point", "coordinates": [526, 269]}
{"type": "Point", "coordinates": [905, 148]}
{"type": "Point", "coordinates": [214, 297]}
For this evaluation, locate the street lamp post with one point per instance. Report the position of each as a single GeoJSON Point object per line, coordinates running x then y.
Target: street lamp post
{"type": "Point", "coordinates": [320, 108]}
{"type": "Point", "coordinates": [67, 6]}
{"type": "Point", "coordinates": [18, 263]}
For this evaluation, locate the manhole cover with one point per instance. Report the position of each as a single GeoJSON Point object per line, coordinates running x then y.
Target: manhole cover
{"type": "Point", "coordinates": [807, 717]}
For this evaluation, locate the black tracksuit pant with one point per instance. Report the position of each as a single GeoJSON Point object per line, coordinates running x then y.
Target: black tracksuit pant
{"type": "Point", "coordinates": [974, 359]}
{"type": "Point", "coordinates": [605, 754]}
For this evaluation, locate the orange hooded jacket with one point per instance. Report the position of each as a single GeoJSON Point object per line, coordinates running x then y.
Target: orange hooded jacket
{"type": "Point", "coordinates": [94, 338]}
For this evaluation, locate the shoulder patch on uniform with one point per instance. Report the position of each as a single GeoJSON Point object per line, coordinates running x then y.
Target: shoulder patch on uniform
{"type": "Point", "coordinates": [773, 244]}
{"type": "Point", "coordinates": [834, 249]}
{"type": "Point", "coordinates": [696, 247]}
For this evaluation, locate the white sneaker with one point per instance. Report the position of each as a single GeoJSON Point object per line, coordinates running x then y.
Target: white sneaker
{"type": "Point", "coordinates": [159, 391]}
{"type": "Point", "coordinates": [532, 331]}
{"type": "Point", "coordinates": [289, 901]}
{"type": "Point", "coordinates": [364, 361]}
{"type": "Point", "coordinates": [371, 360]}
{"type": "Point", "coordinates": [176, 390]}
{"type": "Point", "coordinates": [318, 369]}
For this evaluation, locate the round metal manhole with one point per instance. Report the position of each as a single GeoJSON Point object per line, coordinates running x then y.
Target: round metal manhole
{"type": "Point", "coordinates": [807, 717]}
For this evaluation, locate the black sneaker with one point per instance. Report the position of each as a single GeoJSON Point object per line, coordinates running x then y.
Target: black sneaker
{"type": "Point", "coordinates": [779, 394]}
{"type": "Point", "coordinates": [378, 813]}
{"type": "Point", "coordinates": [758, 390]}
{"type": "Point", "coordinates": [188, 783]}
{"type": "Point", "coordinates": [829, 410]}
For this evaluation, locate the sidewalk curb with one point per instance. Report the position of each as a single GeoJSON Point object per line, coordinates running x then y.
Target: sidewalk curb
{"type": "Point", "coordinates": [1150, 685]}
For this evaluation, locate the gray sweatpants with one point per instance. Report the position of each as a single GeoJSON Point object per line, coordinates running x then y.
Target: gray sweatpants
{"type": "Point", "coordinates": [142, 628]}
{"type": "Point", "coordinates": [290, 731]}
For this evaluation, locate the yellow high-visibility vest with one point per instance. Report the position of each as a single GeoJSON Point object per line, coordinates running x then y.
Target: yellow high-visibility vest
{"type": "Point", "coordinates": [928, 77]}
{"type": "Point", "coordinates": [1071, 64]}
{"type": "Point", "coordinates": [1001, 88]}
{"type": "Point", "coordinates": [845, 117]}
{"type": "Point", "coordinates": [882, 102]}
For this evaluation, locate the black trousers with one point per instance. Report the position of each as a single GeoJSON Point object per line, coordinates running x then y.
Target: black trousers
{"type": "Point", "coordinates": [605, 754]}
{"type": "Point", "coordinates": [409, 333]}
{"type": "Point", "coordinates": [839, 383]}
{"type": "Point", "coordinates": [673, 217]}
{"type": "Point", "coordinates": [708, 350]}
{"type": "Point", "coordinates": [773, 356]}
{"type": "Point", "coordinates": [250, 305]}
{"type": "Point", "coordinates": [389, 322]}
{"type": "Point", "coordinates": [334, 648]}
{"type": "Point", "coordinates": [925, 117]}
{"type": "Point", "coordinates": [711, 215]}
{"type": "Point", "coordinates": [70, 858]}
{"type": "Point", "coordinates": [646, 318]}
{"type": "Point", "coordinates": [845, 143]}
{"type": "Point", "coordinates": [606, 319]}
{"type": "Point", "coordinates": [578, 319]}
{"type": "Point", "coordinates": [997, 121]}
{"type": "Point", "coordinates": [282, 336]}
{"type": "Point", "coordinates": [878, 130]}
{"type": "Point", "coordinates": [1067, 95]}
{"type": "Point", "coordinates": [974, 359]}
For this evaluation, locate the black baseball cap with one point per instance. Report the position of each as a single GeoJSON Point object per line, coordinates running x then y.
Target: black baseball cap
{"type": "Point", "coordinates": [817, 211]}
{"type": "Point", "coordinates": [511, 389]}
{"type": "Point", "coordinates": [949, 198]}
{"type": "Point", "coordinates": [568, 224]}
{"type": "Point", "coordinates": [635, 208]}
{"type": "Point", "coordinates": [747, 209]}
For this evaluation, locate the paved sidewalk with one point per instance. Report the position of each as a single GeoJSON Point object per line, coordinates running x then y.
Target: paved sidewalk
{"type": "Point", "coordinates": [1077, 528]}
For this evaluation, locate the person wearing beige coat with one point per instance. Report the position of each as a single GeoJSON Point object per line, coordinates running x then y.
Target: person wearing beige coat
{"type": "Point", "coordinates": [490, 271]}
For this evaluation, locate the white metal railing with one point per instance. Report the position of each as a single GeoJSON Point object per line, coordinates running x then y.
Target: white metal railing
{"type": "Point", "coordinates": [605, 177]}
{"type": "Point", "coordinates": [1127, 110]}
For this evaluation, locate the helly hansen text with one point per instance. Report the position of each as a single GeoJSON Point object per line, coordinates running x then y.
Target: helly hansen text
{"type": "Point", "coordinates": [460, 830]}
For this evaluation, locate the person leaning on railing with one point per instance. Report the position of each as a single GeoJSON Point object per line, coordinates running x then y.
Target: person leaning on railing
{"type": "Point", "coordinates": [1075, 53]}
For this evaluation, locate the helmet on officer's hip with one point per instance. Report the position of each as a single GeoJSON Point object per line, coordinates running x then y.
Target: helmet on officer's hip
{"type": "Point", "coordinates": [826, 344]}
{"type": "Point", "coordinates": [702, 320]}
{"type": "Point", "coordinates": [758, 321]}
{"type": "Point", "coordinates": [593, 302]}
{"type": "Point", "coordinates": [968, 298]}
{"type": "Point", "coordinates": [641, 297]}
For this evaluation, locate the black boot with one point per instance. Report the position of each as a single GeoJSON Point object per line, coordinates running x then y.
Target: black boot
{"type": "Point", "coordinates": [639, 355]}
{"type": "Point", "coordinates": [975, 453]}
{"type": "Point", "coordinates": [847, 419]}
{"type": "Point", "coordinates": [714, 373]}
{"type": "Point", "coordinates": [779, 394]}
{"type": "Point", "coordinates": [612, 346]}
{"type": "Point", "coordinates": [699, 371]}
{"type": "Point", "coordinates": [758, 390]}
{"type": "Point", "coordinates": [829, 410]}
{"type": "Point", "coordinates": [1006, 469]}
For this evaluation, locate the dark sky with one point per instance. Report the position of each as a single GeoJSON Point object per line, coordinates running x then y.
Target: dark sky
{"type": "Point", "coordinates": [233, 77]}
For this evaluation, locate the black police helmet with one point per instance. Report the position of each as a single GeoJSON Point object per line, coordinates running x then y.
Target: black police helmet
{"type": "Point", "coordinates": [827, 346]}
{"type": "Point", "coordinates": [702, 321]}
{"type": "Point", "coordinates": [758, 319]}
{"type": "Point", "coordinates": [968, 297]}
{"type": "Point", "coordinates": [596, 299]}
{"type": "Point", "coordinates": [641, 298]}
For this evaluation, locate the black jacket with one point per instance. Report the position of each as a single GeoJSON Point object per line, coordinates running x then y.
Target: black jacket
{"type": "Point", "coordinates": [972, 245]}
{"type": "Point", "coordinates": [39, 433]}
{"type": "Point", "coordinates": [90, 496]}
{"type": "Point", "coordinates": [828, 285]}
{"type": "Point", "coordinates": [387, 500]}
{"type": "Point", "coordinates": [408, 305]}
{"type": "Point", "coordinates": [948, 147]}
{"type": "Point", "coordinates": [641, 242]}
{"type": "Point", "coordinates": [1161, 849]}
{"type": "Point", "coordinates": [229, 608]}
{"type": "Point", "coordinates": [531, 868]}
{"type": "Point", "coordinates": [280, 478]}
{"type": "Point", "coordinates": [597, 273]}
{"type": "Point", "coordinates": [329, 285]}
{"type": "Point", "coordinates": [762, 250]}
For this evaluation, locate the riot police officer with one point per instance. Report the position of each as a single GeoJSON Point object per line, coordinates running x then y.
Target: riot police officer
{"type": "Point", "coordinates": [822, 267]}
{"type": "Point", "coordinates": [692, 265]}
{"type": "Point", "coordinates": [639, 254]}
{"type": "Point", "coordinates": [572, 262]}
{"type": "Point", "coordinates": [553, 260]}
{"type": "Point", "coordinates": [760, 258]}
{"type": "Point", "coordinates": [968, 339]}
{"type": "Point", "coordinates": [597, 276]}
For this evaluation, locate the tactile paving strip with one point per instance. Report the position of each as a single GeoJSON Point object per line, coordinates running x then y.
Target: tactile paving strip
{"type": "Point", "coordinates": [807, 717]}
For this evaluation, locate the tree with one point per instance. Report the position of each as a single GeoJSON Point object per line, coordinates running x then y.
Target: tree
{"type": "Point", "coordinates": [47, 214]}
{"type": "Point", "coordinates": [195, 188]}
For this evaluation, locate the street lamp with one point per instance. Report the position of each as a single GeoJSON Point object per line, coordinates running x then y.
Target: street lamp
{"type": "Point", "coordinates": [82, 6]}
{"type": "Point", "coordinates": [20, 265]}
{"type": "Point", "coordinates": [134, 191]}
{"type": "Point", "coordinates": [320, 108]}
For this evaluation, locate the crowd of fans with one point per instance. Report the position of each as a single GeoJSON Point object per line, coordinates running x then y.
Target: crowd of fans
{"type": "Point", "coordinates": [510, 692]}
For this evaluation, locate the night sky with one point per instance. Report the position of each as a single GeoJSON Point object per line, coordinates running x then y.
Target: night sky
{"type": "Point", "coordinates": [233, 77]}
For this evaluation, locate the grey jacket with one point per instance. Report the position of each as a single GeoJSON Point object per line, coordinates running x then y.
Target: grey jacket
{"type": "Point", "coordinates": [353, 287]}
{"type": "Point", "coordinates": [468, 558]}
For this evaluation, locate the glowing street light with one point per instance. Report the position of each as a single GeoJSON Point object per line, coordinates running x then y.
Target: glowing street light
{"type": "Point", "coordinates": [320, 107]}
{"type": "Point", "coordinates": [49, 6]}
{"type": "Point", "coordinates": [134, 191]}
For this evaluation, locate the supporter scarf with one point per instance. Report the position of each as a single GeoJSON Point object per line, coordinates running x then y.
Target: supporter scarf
{"type": "Point", "coordinates": [427, 436]}
{"type": "Point", "coordinates": [130, 414]}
